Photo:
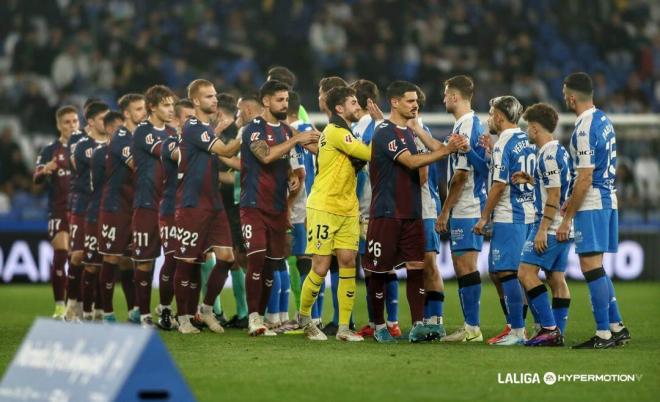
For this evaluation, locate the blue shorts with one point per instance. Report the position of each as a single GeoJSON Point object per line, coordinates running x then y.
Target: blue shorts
{"type": "Point", "coordinates": [298, 239]}
{"type": "Point", "coordinates": [506, 244]}
{"type": "Point", "coordinates": [555, 257]}
{"type": "Point", "coordinates": [462, 236]}
{"type": "Point", "coordinates": [596, 231]}
{"type": "Point", "coordinates": [431, 241]}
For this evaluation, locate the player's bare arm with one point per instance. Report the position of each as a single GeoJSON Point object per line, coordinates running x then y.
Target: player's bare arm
{"type": "Point", "coordinates": [550, 210]}
{"type": "Point", "coordinates": [234, 162]}
{"type": "Point", "coordinates": [226, 178]}
{"type": "Point", "coordinates": [416, 161]}
{"type": "Point", "coordinates": [582, 185]}
{"type": "Point", "coordinates": [228, 150]}
{"type": "Point", "coordinates": [494, 196]}
{"type": "Point", "coordinates": [312, 147]}
{"type": "Point", "coordinates": [267, 154]}
{"type": "Point", "coordinates": [455, 189]}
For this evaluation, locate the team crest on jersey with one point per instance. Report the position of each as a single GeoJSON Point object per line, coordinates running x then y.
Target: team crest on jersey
{"type": "Point", "coordinates": [206, 137]}
{"type": "Point", "coordinates": [171, 146]}
{"type": "Point", "coordinates": [149, 139]}
{"type": "Point", "coordinates": [88, 152]}
{"type": "Point", "coordinates": [126, 151]}
{"type": "Point", "coordinates": [392, 146]}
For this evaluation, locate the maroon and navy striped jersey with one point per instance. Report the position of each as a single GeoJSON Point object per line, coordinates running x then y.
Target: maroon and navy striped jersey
{"type": "Point", "coordinates": [198, 168]}
{"type": "Point", "coordinates": [82, 155]}
{"type": "Point", "coordinates": [118, 184]}
{"type": "Point", "coordinates": [146, 147]}
{"type": "Point", "coordinates": [96, 179]}
{"type": "Point", "coordinates": [264, 186]}
{"type": "Point", "coordinates": [170, 171]}
{"type": "Point", "coordinates": [58, 183]}
{"type": "Point", "coordinates": [396, 190]}
{"type": "Point", "coordinates": [71, 145]}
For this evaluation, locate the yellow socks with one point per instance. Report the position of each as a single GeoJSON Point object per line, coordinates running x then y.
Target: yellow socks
{"type": "Point", "coordinates": [346, 295]}
{"type": "Point", "coordinates": [310, 290]}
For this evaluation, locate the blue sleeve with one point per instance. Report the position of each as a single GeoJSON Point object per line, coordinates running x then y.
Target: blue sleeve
{"type": "Point", "coordinates": [369, 132]}
{"type": "Point", "coordinates": [361, 179]}
{"type": "Point", "coordinates": [478, 162]}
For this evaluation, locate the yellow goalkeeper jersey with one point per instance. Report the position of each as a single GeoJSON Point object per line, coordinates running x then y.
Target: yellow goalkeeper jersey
{"type": "Point", "coordinates": [334, 188]}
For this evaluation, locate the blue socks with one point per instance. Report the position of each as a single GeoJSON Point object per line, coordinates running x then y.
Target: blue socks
{"type": "Point", "coordinates": [285, 288]}
{"type": "Point", "coordinates": [433, 304]}
{"type": "Point", "coordinates": [560, 311]}
{"type": "Point", "coordinates": [392, 297]}
{"type": "Point", "coordinates": [513, 298]}
{"type": "Point", "coordinates": [537, 298]}
{"type": "Point", "coordinates": [274, 300]}
{"type": "Point", "coordinates": [599, 290]}
{"type": "Point", "coordinates": [469, 293]}
{"type": "Point", "coordinates": [615, 315]}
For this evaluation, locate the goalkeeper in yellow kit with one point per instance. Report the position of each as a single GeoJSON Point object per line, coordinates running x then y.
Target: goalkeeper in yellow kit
{"type": "Point", "coordinates": [332, 213]}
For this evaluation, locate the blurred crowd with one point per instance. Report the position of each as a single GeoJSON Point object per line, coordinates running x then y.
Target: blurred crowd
{"type": "Point", "coordinates": [54, 52]}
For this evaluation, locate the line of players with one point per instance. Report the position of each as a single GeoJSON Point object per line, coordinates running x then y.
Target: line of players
{"type": "Point", "coordinates": [175, 179]}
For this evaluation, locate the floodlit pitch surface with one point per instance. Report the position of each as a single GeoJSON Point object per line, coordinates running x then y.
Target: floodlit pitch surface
{"type": "Point", "coordinates": [233, 366]}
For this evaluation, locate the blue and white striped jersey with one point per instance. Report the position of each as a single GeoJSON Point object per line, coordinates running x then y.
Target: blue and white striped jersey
{"type": "Point", "coordinates": [473, 197]}
{"type": "Point", "coordinates": [364, 129]}
{"type": "Point", "coordinates": [593, 145]}
{"type": "Point", "coordinates": [431, 204]}
{"type": "Point", "coordinates": [553, 170]}
{"type": "Point", "coordinates": [309, 158]}
{"type": "Point", "coordinates": [513, 153]}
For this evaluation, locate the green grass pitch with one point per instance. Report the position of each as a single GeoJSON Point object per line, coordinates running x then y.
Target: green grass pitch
{"type": "Point", "coordinates": [235, 367]}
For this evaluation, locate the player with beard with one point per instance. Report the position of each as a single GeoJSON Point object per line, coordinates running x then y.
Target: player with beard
{"type": "Point", "coordinates": [183, 109]}
{"type": "Point", "coordinates": [226, 130]}
{"type": "Point", "coordinates": [92, 259]}
{"type": "Point", "coordinates": [264, 184]}
{"type": "Point", "coordinates": [53, 170]}
{"type": "Point", "coordinates": [116, 208]}
{"type": "Point", "coordinates": [81, 162]}
{"type": "Point", "coordinates": [395, 237]}
{"type": "Point", "coordinates": [371, 116]}
{"type": "Point", "coordinates": [466, 196]}
{"type": "Point", "coordinates": [73, 310]}
{"type": "Point", "coordinates": [333, 223]}
{"type": "Point", "coordinates": [325, 85]}
{"type": "Point", "coordinates": [200, 218]}
{"type": "Point", "coordinates": [593, 208]}
{"type": "Point", "coordinates": [512, 209]}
